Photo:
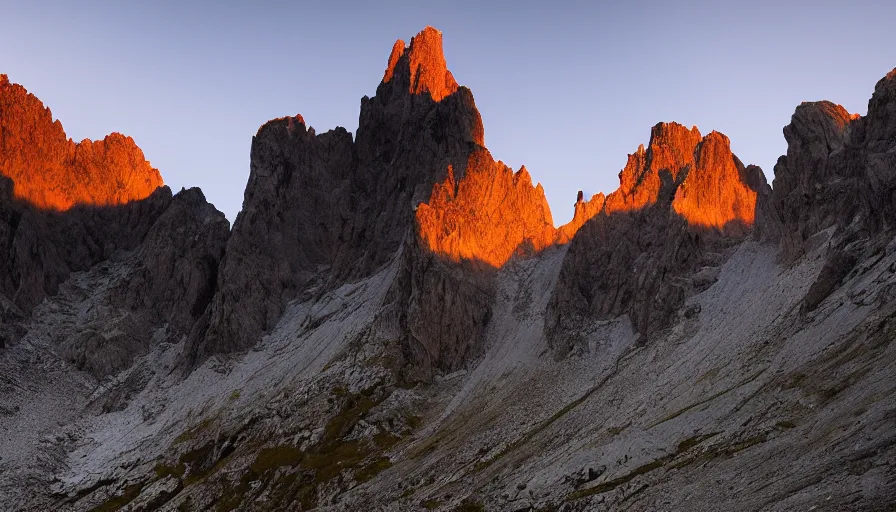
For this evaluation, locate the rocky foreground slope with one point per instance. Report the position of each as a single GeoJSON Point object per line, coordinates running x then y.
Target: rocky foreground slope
{"type": "Point", "coordinates": [394, 322]}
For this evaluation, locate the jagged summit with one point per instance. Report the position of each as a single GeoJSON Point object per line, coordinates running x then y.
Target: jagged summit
{"type": "Point", "coordinates": [421, 66]}
{"type": "Point", "coordinates": [488, 221]}
{"type": "Point", "coordinates": [486, 216]}
{"type": "Point", "coordinates": [713, 191]}
{"type": "Point", "coordinates": [51, 171]}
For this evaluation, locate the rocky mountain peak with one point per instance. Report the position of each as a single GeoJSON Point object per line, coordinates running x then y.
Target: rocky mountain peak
{"type": "Point", "coordinates": [715, 193]}
{"type": "Point", "coordinates": [421, 66]}
{"type": "Point", "coordinates": [51, 171]}
{"type": "Point", "coordinates": [712, 190]}
{"type": "Point", "coordinates": [490, 215]}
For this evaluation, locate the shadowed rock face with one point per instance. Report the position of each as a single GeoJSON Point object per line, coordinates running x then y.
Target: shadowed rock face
{"type": "Point", "coordinates": [176, 271]}
{"type": "Point", "coordinates": [839, 173]}
{"type": "Point", "coordinates": [68, 207]}
{"type": "Point", "coordinates": [52, 172]}
{"type": "Point", "coordinates": [42, 248]}
{"type": "Point", "coordinates": [838, 170]}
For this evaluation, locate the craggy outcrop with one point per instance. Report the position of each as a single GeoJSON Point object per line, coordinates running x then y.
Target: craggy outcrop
{"type": "Point", "coordinates": [52, 172]}
{"type": "Point", "coordinates": [582, 213]}
{"type": "Point", "coordinates": [67, 207]}
{"type": "Point", "coordinates": [293, 219]}
{"type": "Point", "coordinates": [176, 268]}
{"type": "Point", "coordinates": [680, 203]}
{"type": "Point", "coordinates": [424, 60]}
{"type": "Point", "coordinates": [838, 170]}
{"type": "Point", "coordinates": [715, 193]}
{"type": "Point", "coordinates": [322, 209]}
{"type": "Point", "coordinates": [839, 174]}
{"type": "Point", "coordinates": [440, 310]}
{"type": "Point", "coordinates": [42, 247]}
{"type": "Point", "coordinates": [490, 215]}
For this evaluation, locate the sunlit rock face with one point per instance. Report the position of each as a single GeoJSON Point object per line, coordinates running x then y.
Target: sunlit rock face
{"type": "Point", "coordinates": [582, 213]}
{"type": "Point", "coordinates": [67, 208]}
{"type": "Point", "coordinates": [488, 216]}
{"type": "Point", "coordinates": [421, 66]}
{"type": "Point", "coordinates": [713, 191]}
{"type": "Point", "coordinates": [52, 172]}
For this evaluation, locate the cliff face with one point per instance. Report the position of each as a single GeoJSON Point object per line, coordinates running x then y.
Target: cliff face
{"type": "Point", "coordinates": [490, 215]}
{"type": "Point", "coordinates": [838, 170]}
{"type": "Point", "coordinates": [680, 203]}
{"type": "Point", "coordinates": [52, 172]}
{"type": "Point", "coordinates": [714, 193]}
{"type": "Point", "coordinates": [836, 186]}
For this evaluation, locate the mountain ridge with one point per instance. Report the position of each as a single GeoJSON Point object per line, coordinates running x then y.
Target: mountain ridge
{"type": "Point", "coordinates": [395, 322]}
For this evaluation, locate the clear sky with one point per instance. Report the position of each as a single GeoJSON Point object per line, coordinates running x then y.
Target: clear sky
{"type": "Point", "coordinates": [566, 88]}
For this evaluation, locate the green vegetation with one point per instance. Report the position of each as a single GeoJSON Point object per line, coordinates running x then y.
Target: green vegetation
{"type": "Point", "coordinates": [294, 476]}
{"type": "Point", "coordinates": [235, 395]}
{"type": "Point", "coordinates": [470, 505]}
{"type": "Point", "coordinates": [678, 413]}
{"type": "Point", "coordinates": [164, 471]}
{"type": "Point", "coordinates": [194, 431]}
{"type": "Point", "coordinates": [430, 504]}
{"type": "Point", "coordinates": [374, 468]}
{"type": "Point", "coordinates": [116, 502]}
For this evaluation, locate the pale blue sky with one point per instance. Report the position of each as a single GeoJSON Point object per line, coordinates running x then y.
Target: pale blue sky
{"type": "Point", "coordinates": [566, 88]}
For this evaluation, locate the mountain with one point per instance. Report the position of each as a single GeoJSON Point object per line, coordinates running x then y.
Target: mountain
{"type": "Point", "coordinates": [395, 323]}
{"type": "Point", "coordinates": [52, 172]}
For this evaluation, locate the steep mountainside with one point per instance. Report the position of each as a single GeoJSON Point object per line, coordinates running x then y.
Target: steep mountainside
{"type": "Point", "coordinates": [394, 322]}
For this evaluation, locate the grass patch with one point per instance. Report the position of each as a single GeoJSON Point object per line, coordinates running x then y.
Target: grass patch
{"type": "Point", "coordinates": [601, 488]}
{"type": "Point", "coordinates": [234, 395]}
{"type": "Point", "coordinates": [194, 431]}
{"type": "Point", "coordinates": [470, 505]}
{"type": "Point", "coordinates": [616, 482]}
{"type": "Point", "coordinates": [678, 413]}
{"type": "Point", "coordinates": [117, 502]}
{"type": "Point", "coordinates": [787, 424]}
{"type": "Point", "coordinates": [374, 468]}
{"type": "Point", "coordinates": [164, 471]}
{"type": "Point", "coordinates": [430, 504]}
{"type": "Point", "coordinates": [294, 476]}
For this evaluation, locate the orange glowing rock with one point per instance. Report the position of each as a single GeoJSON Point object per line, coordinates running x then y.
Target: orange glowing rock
{"type": "Point", "coordinates": [671, 148]}
{"type": "Point", "coordinates": [712, 194]}
{"type": "Point", "coordinates": [51, 171]}
{"type": "Point", "coordinates": [424, 63]}
{"type": "Point", "coordinates": [584, 211]}
{"type": "Point", "coordinates": [490, 215]}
